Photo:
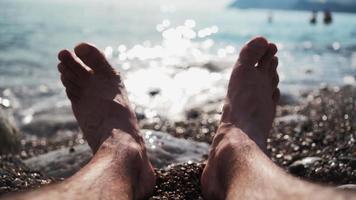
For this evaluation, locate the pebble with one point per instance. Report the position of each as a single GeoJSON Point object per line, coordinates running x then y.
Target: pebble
{"type": "Point", "coordinates": [299, 167]}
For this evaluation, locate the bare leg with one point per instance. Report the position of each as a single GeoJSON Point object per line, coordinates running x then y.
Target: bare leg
{"type": "Point", "coordinates": [120, 168]}
{"type": "Point", "coordinates": [237, 167]}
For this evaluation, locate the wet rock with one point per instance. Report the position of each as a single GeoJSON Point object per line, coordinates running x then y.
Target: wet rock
{"type": "Point", "coordinates": [309, 71]}
{"type": "Point", "coordinates": [351, 187]}
{"type": "Point", "coordinates": [48, 125]}
{"type": "Point", "coordinates": [154, 92]}
{"type": "Point", "coordinates": [299, 167]}
{"type": "Point", "coordinates": [287, 99]}
{"type": "Point", "coordinates": [213, 67]}
{"type": "Point", "coordinates": [291, 119]}
{"type": "Point", "coordinates": [61, 163]}
{"type": "Point", "coordinates": [9, 134]}
{"type": "Point", "coordinates": [162, 149]}
{"type": "Point", "coordinates": [193, 114]}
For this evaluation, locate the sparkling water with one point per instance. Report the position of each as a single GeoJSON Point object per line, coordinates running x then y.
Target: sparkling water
{"type": "Point", "coordinates": [182, 49]}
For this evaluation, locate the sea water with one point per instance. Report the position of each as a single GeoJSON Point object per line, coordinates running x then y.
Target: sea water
{"type": "Point", "coordinates": [183, 50]}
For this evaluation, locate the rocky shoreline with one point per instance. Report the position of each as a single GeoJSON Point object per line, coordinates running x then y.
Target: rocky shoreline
{"type": "Point", "coordinates": [313, 139]}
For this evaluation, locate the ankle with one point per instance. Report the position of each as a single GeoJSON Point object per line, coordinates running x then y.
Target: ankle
{"type": "Point", "coordinates": [229, 135]}
{"type": "Point", "coordinates": [123, 145]}
{"type": "Point", "coordinates": [229, 156]}
{"type": "Point", "coordinates": [245, 135]}
{"type": "Point", "coordinates": [232, 145]}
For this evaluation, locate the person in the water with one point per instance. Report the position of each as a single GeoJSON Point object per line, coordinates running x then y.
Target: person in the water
{"type": "Point", "coordinates": [313, 19]}
{"type": "Point", "coordinates": [238, 166]}
{"type": "Point", "coordinates": [328, 19]}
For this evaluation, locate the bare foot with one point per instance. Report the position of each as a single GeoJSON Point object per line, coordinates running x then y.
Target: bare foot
{"type": "Point", "coordinates": [97, 94]}
{"type": "Point", "coordinates": [252, 94]}
{"type": "Point", "coordinates": [247, 117]}
{"type": "Point", "coordinates": [101, 107]}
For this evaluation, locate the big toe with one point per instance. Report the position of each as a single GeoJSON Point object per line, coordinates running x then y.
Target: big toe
{"type": "Point", "coordinates": [266, 59]}
{"type": "Point", "coordinates": [73, 64]}
{"type": "Point", "coordinates": [93, 58]}
{"type": "Point", "coordinates": [253, 51]}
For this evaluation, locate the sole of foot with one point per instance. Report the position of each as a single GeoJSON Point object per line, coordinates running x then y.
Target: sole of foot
{"type": "Point", "coordinates": [102, 109]}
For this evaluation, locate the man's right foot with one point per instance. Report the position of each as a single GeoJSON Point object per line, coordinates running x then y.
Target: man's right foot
{"type": "Point", "coordinates": [247, 116]}
{"type": "Point", "coordinates": [252, 93]}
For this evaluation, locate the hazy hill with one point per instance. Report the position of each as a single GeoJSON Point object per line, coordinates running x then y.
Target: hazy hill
{"type": "Point", "coordinates": [334, 5]}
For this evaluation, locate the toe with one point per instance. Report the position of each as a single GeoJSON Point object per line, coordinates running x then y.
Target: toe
{"type": "Point", "coordinates": [68, 74]}
{"type": "Point", "coordinates": [72, 90]}
{"type": "Point", "coordinates": [276, 95]}
{"type": "Point", "coordinates": [73, 96]}
{"type": "Point", "coordinates": [273, 72]}
{"type": "Point", "coordinates": [93, 58]}
{"type": "Point", "coordinates": [273, 66]}
{"type": "Point", "coordinates": [267, 58]}
{"type": "Point", "coordinates": [69, 85]}
{"type": "Point", "coordinates": [73, 64]}
{"type": "Point", "coordinates": [275, 81]}
{"type": "Point", "coordinates": [252, 52]}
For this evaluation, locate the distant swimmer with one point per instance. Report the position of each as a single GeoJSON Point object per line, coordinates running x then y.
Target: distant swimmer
{"type": "Point", "coordinates": [328, 19]}
{"type": "Point", "coordinates": [270, 17]}
{"type": "Point", "coordinates": [313, 19]}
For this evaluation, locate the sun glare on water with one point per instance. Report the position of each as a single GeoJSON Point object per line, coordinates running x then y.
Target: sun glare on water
{"type": "Point", "coordinates": [170, 76]}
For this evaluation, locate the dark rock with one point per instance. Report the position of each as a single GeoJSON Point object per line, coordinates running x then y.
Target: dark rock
{"type": "Point", "coordinates": [154, 92]}
{"type": "Point", "coordinates": [193, 114]}
{"type": "Point", "coordinates": [212, 67]}
{"type": "Point", "coordinates": [287, 99]}
{"type": "Point", "coordinates": [350, 160]}
{"type": "Point", "coordinates": [299, 167]}
{"type": "Point", "coordinates": [309, 71]}
{"type": "Point", "coordinates": [9, 134]}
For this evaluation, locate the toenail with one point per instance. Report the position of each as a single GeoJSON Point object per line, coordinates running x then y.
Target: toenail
{"type": "Point", "coordinates": [83, 49]}
{"type": "Point", "coordinates": [259, 42]}
{"type": "Point", "coordinates": [63, 55]}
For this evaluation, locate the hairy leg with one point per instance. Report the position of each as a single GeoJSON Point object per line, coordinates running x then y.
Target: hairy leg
{"type": "Point", "coordinates": [120, 168]}
{"type": "Point", "coordinates": [238, 167]}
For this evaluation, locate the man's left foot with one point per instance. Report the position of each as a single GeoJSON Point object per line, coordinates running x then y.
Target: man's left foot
{"type": "Point", "coordinates": [101, 107]}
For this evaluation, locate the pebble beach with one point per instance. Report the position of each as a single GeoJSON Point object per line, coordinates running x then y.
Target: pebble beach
{"type": "Point", "coordinates": [312, 138]}
{"type": "Point", "coordinates": [175, 59]}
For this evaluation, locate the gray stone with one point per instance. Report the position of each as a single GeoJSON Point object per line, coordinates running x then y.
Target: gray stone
{"type": "Point", "coordinates": [213, 67]}
{"type": "Point", "coordinates": [9, 134]}
{"type": "Point", "coordinates": [288, 99]}
{"type": "Point", "coordinates": [300, 166]}
{"type": "Point", "coordinates": [291, 119]}
{"type": "Point", "coordinates": [47, 121]}
{"type": "Point", "coordinates": [48, 125]}
{"type": "Point", "coordinates": [351, 187]}
{"type": "Point", "coordinates": [163, 150]}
